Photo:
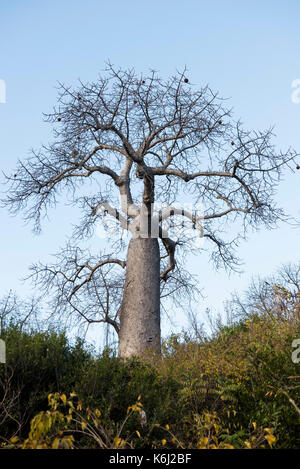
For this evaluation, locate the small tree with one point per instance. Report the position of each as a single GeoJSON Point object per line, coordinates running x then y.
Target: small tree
{"type": "Point", "coordinates": [144, 140]}
{"type": "Point", "coordinates": [276, 297]}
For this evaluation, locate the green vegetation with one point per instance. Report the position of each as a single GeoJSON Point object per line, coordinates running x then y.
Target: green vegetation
{"type": "Point", "coordinates": [238, 388]}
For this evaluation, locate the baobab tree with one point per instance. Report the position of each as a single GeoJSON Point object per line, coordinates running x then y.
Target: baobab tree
{"type": "Point", "coordinates": [132, 141]}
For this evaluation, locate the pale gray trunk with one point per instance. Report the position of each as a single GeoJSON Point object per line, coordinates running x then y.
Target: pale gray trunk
{"type": "Point", "coordinates": [140, 309]}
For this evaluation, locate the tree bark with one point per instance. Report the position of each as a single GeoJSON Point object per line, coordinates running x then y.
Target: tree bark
{"type": "Point", "coordinates": [140, 308]}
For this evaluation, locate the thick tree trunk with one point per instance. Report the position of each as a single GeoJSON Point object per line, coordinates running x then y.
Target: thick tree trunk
{"type": "Point", "coordinates": [140, 309]}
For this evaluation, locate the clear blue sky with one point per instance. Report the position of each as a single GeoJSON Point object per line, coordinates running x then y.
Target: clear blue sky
{"type": "Point", "coordinates": [249, 51]}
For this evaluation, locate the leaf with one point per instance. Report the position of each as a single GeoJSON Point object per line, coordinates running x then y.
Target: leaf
{"type": "Point", "coordinates": [138, 433]}
{"type": "Point", "coordinates": [228, 446]}
{"type": "Point", "coordinates": [55, 443]}
{"type": "Point", "coordinates": [270, 439]}
{"type": "Point", "coordinates": [269, 430]}
{"type": "Point", "coordinates": [135, 407]}
{"type": "Point", "coordinates": [119, 442]}
{"type": "Point", "coordinates": [96, 422]}
{"type": "Point", "coordinates": [163, 442]}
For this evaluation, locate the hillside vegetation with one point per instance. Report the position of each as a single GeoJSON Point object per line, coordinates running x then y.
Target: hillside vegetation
{"type": "Point", "coordinates": [238, 388]}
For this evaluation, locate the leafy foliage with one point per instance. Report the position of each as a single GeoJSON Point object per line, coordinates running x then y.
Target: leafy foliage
{"type": "Point", "coordinates": [237, 389]}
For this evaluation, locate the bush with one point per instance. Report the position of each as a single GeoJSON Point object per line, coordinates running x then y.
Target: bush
{"type": "Point", "coordinates": [38, 363]}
